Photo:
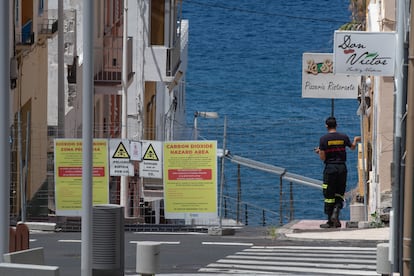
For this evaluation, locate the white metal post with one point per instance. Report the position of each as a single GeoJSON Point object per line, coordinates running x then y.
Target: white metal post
{"type": "Point", "coordinates": [124, 179]}
{"type": "Point", "coordinates": [195, 126]}
{"type": "Point", "coordinates": [87, 137]}
{"type": "Point", "coordinates": [222, 174]}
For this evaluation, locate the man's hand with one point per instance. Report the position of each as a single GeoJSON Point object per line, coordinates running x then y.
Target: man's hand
{"type": "Point", "coordinates": [356, 140]}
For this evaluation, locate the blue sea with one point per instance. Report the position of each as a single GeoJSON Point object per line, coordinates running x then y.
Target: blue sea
{"type": "Point", "coordinates": [245, 59]}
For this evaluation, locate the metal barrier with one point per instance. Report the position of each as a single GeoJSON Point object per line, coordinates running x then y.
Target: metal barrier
{"type": "Point", "coordinates": [8, 269]}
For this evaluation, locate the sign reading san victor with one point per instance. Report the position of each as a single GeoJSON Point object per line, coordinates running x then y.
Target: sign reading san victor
{"type": "Point", "coordinates": [364, 53]}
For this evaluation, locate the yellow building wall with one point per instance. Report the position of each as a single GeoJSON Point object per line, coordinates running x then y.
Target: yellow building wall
{"type": "Point", "coordinates": [385, 132]}
{"type": "Point", "coordinates": [32, 92]}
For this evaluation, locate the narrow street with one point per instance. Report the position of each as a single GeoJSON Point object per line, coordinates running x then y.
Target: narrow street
{"type": "Point", "coordinates": [250, 249]}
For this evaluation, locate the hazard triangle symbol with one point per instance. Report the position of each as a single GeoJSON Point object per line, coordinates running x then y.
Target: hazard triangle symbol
{"type": "Point", "coordinates": [150, 154]}
{"type": "Point", "coordinates": [121, 152]}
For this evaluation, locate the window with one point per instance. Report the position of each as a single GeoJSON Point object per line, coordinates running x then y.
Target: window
{"type": "Point", "coordinates": [41, 7]}
{"type": "Point", "coordinates": [157, 22]}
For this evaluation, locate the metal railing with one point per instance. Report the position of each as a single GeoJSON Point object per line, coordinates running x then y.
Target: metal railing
{"type": "Point", "coordinates": [48, 26]}
{"type": "Point", "coordinates": [251, 214]}
{"type": "Point", "coordinates": [108, 65]}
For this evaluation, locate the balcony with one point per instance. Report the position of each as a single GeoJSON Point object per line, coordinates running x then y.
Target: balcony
{"type": "Point", "coordinates": [108, 61]}
{"type": "Point", "coordinates": [26, 37]}
{"type": "Point", "coordinates": [48, 28]}
{"type": "Point", "coordinates": [162, 63]}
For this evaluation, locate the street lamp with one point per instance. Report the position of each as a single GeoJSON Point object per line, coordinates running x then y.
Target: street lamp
{"type": "Point", "coordinates": [209, 115]}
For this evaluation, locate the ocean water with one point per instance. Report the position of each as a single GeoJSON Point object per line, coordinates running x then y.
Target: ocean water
{"type": "Point", "coordinates": [245, 59]}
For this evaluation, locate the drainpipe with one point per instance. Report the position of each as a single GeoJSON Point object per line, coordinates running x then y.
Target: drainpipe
{"type": "Point", "coordinates": [61, 72]}
{"type": "Point", "coordinates": [4, 126]}
{"type": "Point", "coordinates": [398, 168]}
{"type": "Point", "coordinates": [408, 250]}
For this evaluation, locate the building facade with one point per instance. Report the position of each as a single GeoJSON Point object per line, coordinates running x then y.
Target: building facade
{"type": "Point", "coordinates": [32, 27]}
{"type": "Point", "coordinates": [142, 98]}
{"type": "Point", "coordinates": [379, 119]}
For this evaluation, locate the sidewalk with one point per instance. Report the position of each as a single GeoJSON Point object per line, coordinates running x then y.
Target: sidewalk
{"type": "Point", "coordinates": [309, 229]}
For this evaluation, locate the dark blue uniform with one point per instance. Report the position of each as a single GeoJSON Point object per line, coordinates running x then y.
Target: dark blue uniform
{"type": "Point", "coordinates": [335, 172]}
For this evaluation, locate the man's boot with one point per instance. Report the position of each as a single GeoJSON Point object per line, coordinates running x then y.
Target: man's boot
{"type": "Point", "coordinates": [335, 217]}
{"type": "Point", "coordinates": [327, 224]}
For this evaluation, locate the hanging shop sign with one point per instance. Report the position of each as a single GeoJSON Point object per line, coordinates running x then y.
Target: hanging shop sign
{"type": "Point", "coordinates": [319, 81]}
{"type": "Point", "coordinates": [364, 53]}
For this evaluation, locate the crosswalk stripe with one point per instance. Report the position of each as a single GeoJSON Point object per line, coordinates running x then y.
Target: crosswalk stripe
{"type": "Point", "coordinates": [298, 263]}
{"type": "Point", "coordinates": [228, 243]}
{"type": "Point", "coordinates": [356, 258]}
{"type": "Point", "coordinates": [290, 269]}
{"type": "Point", "coordinates": [238, 271]}
{"type": "Point", "coordinates": [336, 248]}
{"type": "Point", "coordinates": [298, 259]}
{"type": "Point", "coordinates": [316, 248]}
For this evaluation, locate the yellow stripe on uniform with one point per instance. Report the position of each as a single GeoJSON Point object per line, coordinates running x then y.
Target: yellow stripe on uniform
{"type": "Point", "coordinates": [336, 143]}
{"type": "Point", "coordinates": [341, 196]}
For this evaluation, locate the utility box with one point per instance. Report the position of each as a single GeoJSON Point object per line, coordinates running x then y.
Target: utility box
{"type": "Point", "coordinates": [357, 212]}
{"type": "Point", "coordinates": [384, 266]}
{"type": "Point", "coordinates": [148, 257]}
{"type": "Point", "coordinates": [108, 240]}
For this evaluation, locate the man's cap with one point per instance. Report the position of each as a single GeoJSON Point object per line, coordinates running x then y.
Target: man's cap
{"type": "Point", "coordinates": [331, 122]}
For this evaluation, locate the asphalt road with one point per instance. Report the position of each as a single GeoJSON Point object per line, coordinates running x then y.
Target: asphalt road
{"type": "Point", "coordinates": [180, 252]}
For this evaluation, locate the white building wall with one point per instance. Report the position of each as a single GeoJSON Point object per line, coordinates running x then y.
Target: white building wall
{"type": "Point", "coordinates": [149, 64]}
{"type": "Point", "coordinates": [180, 119]}
{"type": "Point", "coordinates": [69, 54]}
{"type": "Point", "coordinates": [73, 119]}
{"type": "Point", "coordinates": [383, 110]}
{"type": "Point", "coordinates": [138, 29]}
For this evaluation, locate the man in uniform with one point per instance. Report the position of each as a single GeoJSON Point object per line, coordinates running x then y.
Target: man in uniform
{"type": "Point", "coordinates": [332, 150]}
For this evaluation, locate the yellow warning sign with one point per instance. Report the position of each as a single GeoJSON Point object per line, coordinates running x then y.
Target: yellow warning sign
{"type": "Point", "coordinates": [121, 152]}
{"type": "Point", "coordinates": [150, 154]}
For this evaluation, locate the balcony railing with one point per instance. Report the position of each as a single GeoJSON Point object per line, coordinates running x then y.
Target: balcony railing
{"type": "Point", "coordinates": [48, 27]}
{"type": "Point", "coordinates": [173, 59]}
{"type": "Point", "coordinates": [108, 64]}
{"type": "Point", "coordinates": [162, 63]}
{"type": "Point", "coordinates": [26, 35]}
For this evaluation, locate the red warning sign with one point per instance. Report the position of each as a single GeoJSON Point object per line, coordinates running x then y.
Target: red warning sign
{"type": "Point", "coordinates": [189, 174]}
